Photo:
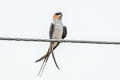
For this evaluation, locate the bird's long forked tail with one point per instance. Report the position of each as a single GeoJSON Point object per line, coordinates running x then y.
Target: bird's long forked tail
{"type": "Point", "coordinates": [45, 57]}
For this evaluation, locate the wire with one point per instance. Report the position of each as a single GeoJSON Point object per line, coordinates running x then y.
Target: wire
{"type": "Point", "coordinates": [59, 40]}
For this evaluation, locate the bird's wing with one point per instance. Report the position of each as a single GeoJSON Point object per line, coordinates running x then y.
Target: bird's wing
{"type": "Point", "coordinates": [64, 32]}
{"type": "Point", "coordinates": [51, 30]}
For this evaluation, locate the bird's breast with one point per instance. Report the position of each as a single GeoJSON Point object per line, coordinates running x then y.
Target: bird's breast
{"type": "Point", "coordinates": [58, 31]}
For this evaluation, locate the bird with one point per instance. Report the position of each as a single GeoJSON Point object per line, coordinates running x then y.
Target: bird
{"type": "Point", "coordinates": [57, 31]}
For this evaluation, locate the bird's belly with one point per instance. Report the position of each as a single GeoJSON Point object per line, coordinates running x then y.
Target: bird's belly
{"type": "Point", "coordinates": [58, 31]}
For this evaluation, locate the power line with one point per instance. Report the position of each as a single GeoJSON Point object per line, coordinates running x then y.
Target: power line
{"type": "Point", "coordinates": [59, 40]}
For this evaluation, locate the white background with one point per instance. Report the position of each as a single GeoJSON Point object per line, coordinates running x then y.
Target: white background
{"type": "Point", "coordinates": [85, 20]}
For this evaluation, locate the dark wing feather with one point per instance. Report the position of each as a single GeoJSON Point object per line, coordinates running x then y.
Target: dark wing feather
{"type": "Point", "coordinates": [64, 32]}
{"type": "Point", "coordinates": [51, 30]}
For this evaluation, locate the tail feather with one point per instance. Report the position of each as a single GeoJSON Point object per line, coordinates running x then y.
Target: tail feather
{"type": "Point", "coordinates": [46, 56]}
{"type": "Point", "coordinates": [47, 52]}
{"type": "Point", "coordinates": [55, 61]}
{"type": "Point", "coordinates": [41, 58]}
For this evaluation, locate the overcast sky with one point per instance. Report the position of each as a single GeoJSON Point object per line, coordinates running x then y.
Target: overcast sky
{"type": "Point", "coordinates": [97, 20]}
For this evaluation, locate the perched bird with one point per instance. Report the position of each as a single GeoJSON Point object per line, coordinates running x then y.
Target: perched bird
{"type": "Point", "coordinates": [57, 31]}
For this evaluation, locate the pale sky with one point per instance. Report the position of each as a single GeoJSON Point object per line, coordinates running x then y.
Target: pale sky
{"type": "Point", "coordinates": [97, 20]}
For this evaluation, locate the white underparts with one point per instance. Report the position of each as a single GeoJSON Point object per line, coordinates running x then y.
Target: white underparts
{"type": "Point", "coordinates": [58, 30]}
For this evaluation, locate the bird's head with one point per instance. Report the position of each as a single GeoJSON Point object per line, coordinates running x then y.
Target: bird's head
{"type": "Point", "coordinates": [57, 16]}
